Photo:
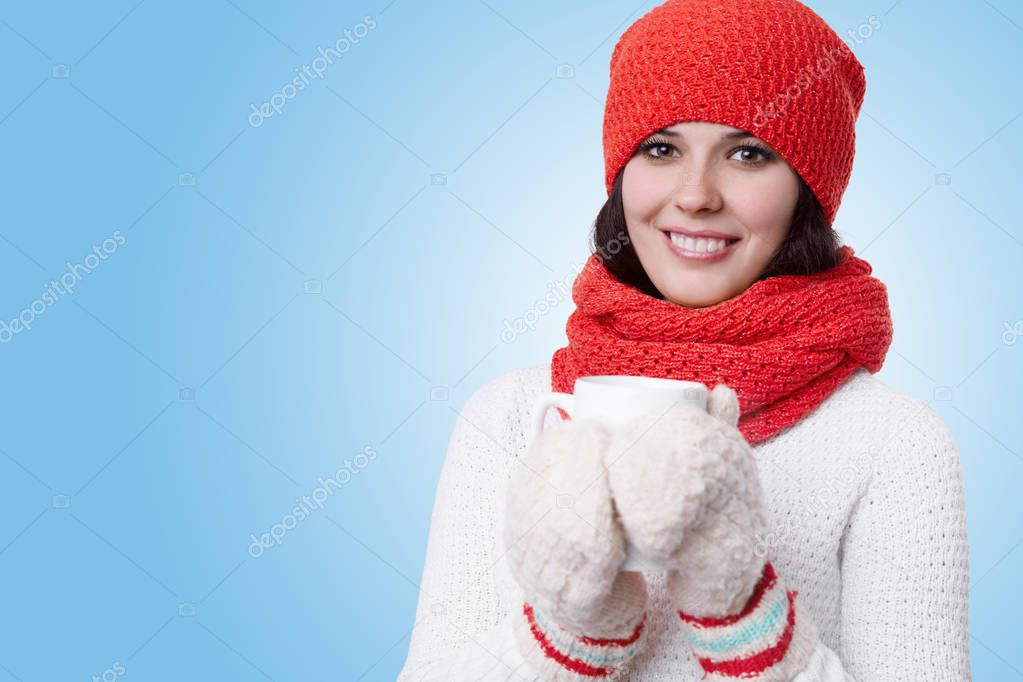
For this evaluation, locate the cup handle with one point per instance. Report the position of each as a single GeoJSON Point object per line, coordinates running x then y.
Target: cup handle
{"type": "Point", "coordinates": [545, 402]}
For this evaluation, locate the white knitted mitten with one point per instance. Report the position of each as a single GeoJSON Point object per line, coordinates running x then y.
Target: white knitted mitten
{"type": "Point", "coordinates": [686, 484]}
{"type": "Point", "coordinates": [582, 617]}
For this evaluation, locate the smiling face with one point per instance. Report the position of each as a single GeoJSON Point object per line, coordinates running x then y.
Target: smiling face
{"type": "Point", "coordinates": [726, 188]}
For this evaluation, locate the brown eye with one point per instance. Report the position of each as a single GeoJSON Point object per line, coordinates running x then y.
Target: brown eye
{"type": "Point", "coordinates": [663, 149]}
{"type": "Point", "coordinates": [753, 150]}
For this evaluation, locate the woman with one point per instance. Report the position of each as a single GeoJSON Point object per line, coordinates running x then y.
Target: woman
{"type": "Point", "coordinates": [820, 534]}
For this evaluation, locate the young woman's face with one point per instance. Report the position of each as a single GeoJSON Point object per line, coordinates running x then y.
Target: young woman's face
{"type": "Point", "coordinates": [697, 176]}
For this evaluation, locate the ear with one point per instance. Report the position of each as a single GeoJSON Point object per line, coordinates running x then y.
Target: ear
{"type": "Point", "coordinates": [723, 403]}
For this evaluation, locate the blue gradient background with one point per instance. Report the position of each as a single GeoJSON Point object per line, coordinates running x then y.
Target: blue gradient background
{"type": "Point", "coordinates": [338, 278]}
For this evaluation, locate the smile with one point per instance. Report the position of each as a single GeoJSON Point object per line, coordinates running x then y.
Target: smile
{"type": "Point", "coordinates": [699, 249]}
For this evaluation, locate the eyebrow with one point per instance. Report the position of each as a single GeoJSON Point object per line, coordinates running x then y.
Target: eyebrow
{"type": "Point", "coordinates": [726, 136]}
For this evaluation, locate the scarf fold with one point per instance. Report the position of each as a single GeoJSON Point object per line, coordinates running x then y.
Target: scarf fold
{"type": "Point", "coordinates": [783, 345]}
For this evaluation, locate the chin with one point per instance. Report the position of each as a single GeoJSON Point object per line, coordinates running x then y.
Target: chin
{"type": "Point", "coordinates": [692, 290]}
{"type": "Point", "coordinates": [687, 299]}
{"type": "Point", "coordinates": [694, 305]}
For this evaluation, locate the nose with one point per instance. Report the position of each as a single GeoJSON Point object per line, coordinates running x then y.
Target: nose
{"type": "Point", "coordinates": [697, 189]}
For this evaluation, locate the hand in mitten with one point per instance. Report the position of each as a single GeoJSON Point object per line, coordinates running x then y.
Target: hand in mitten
{"type": "Point", "coordinates": [582, 616]}
{"type": "Point", "coordinates": [686, 485]}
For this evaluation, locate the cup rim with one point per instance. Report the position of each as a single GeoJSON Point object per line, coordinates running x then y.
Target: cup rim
{"type": "Point", "coordinates": [640, 381]}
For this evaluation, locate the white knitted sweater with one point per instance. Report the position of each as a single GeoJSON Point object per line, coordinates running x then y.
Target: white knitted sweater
{"type": "Point", "coordinates": [867, 518]}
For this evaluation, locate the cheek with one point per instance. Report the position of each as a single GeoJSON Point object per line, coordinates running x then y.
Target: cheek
{"type": "Point", "coordinates": [642, 192]}
{"type": "Point", "coordinates": [765, 203]}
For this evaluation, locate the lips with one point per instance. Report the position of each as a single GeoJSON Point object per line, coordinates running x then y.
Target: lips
{"type": "Point", "coordinates": [706, 234]}
{"type": "Point", "coordinates": [700, 256]}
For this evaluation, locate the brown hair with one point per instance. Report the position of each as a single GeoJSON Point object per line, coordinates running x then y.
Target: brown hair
{"type": "Point", "coordinates": [811, 245]}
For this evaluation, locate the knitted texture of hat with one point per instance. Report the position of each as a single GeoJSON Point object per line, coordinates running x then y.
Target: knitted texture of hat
{"type": "Point", "coordinates": [773, 68]}
{"type": "Point", "coordinates": [783, 345]}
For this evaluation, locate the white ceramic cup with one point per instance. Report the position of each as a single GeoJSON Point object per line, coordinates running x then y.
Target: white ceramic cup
{"type": "Point", "coordinates": [615, 400]}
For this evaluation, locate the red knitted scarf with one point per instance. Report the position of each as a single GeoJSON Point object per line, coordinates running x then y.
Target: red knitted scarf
{"type": "Point", "coordinates": [784, 344]}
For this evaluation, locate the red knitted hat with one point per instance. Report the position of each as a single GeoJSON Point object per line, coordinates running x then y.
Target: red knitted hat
{"type": "Point", "coordinates": [771, 67]}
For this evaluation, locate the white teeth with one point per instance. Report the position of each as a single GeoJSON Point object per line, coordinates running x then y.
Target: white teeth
{"type": "Point", "coordinates": [700, 245]}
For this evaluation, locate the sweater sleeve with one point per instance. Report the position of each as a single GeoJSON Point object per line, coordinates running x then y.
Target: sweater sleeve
{"type": "Point", "coordinates": [904, 560]}
{"type": "Point", "coordinates": [904, 582]}
{"type": "Point", "coordinates": [461, 630]}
